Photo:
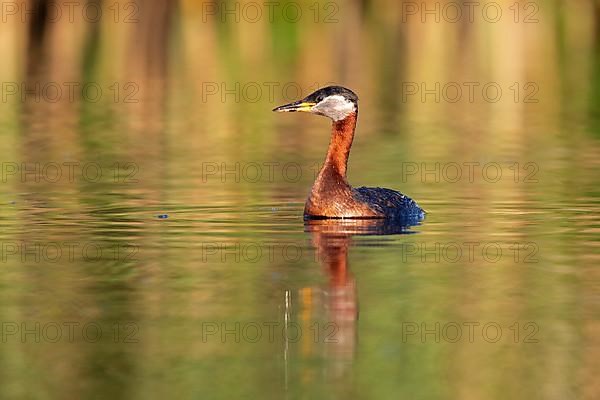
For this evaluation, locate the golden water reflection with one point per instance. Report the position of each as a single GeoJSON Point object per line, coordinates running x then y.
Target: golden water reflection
{"type": "Point", "coordinates": [174, 56]}
{"type": "Point", "coordinates": [339, 305]}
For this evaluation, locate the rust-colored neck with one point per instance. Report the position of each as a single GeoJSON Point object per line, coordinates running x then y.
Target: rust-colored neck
{"type": "Point", "coordinates": [342, 134]}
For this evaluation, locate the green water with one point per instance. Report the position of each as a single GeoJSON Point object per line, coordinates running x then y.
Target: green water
{"type": "Point", "coordinates": [157, 248]}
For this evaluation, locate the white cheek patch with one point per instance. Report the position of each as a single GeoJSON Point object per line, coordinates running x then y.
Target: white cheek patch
{"type": "Point", "coordinates": [336, 107]}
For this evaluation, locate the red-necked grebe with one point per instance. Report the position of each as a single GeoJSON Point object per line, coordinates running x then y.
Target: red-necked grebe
{"type": "Point", "coordinates": [331, 195]}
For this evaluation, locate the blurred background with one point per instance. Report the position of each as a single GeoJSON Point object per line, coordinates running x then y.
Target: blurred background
{"type": "Point", "coordinates": [170, 101]}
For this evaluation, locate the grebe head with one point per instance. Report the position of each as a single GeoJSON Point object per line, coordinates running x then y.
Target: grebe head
{"type": "Point", "coordinates": [334, 102]}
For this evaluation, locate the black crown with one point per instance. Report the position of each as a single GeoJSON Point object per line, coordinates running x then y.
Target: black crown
{"type": "Point", "coordinates": [322, 93]}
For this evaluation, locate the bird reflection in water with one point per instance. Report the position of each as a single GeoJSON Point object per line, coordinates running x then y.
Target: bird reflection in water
{"type": "Point", "coordinates": [335, 303]}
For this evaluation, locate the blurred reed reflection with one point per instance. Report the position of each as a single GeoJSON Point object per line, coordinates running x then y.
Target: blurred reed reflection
{"type": "Point", "coordinates": [177, 93]}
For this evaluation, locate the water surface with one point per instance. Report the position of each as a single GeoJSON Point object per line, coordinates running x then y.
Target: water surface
{"type": "Point", "coordinates": [175, 261]}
